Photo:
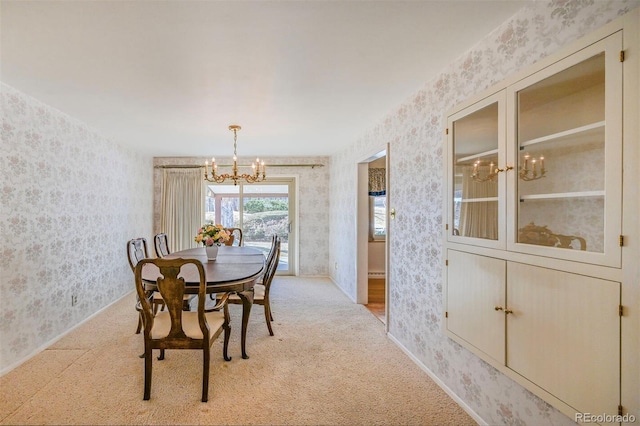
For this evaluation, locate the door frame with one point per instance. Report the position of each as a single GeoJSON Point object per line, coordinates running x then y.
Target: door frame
{"type": "Point", "coordinates": [362, 230]}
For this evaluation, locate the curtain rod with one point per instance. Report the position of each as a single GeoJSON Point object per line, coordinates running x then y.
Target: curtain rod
{"type": "Point", "coordinates": [188, 166]}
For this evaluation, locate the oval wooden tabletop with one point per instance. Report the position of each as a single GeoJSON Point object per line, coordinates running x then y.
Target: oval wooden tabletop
{"type": "Point", "coordinates": [233, 264]}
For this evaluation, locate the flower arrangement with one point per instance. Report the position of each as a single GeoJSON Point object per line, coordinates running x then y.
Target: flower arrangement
{"type": "Point", "coordinates": [210, 234]}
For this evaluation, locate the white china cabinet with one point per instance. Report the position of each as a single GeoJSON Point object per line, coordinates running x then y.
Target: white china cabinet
{"type": "Point", "coordinates": [537, 207]}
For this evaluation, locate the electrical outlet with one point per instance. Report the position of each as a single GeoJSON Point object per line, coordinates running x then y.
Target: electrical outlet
{"type": "Point", "coordinates": [74, 299]}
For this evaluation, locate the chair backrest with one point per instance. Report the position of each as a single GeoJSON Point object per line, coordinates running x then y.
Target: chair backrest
{"type": "Point", "coordinates": [161, 244]}
{"type": "Point", "coordinates": [236, 237]}
{"type": "Point", "coordinates": [136, 251]}
{"type": "Point", "coordinates": [172, 289]}
{"type": "Point", "coordinates": [272, 250]}
{"type": "Point", "coordinates": [272, 264]}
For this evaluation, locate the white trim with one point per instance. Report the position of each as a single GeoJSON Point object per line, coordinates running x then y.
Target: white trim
{"type": "Point", "coordinates": [342, 290]}
{"type": "Point", "coordinates": [46, 345]}
{"type": "Point", "coordinates": [362, 221]}
{"type": "Point", "coordinates": [439, 382]}
{"type": "Point", "coordinates": [424, 368]}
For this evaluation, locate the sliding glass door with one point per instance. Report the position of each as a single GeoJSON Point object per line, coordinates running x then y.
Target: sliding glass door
{"type": "Point", "coordinates": [260, 210]}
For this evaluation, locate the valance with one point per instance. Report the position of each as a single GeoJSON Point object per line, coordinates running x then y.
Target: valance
{"type": "Point", "coordinates": [377, 182]}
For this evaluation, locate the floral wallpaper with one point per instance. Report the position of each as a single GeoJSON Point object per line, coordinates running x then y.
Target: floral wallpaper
{"type": "Point", "coordinates": [414, 131]}
{"type": "Point", "coordinates": [69, 201]}
{"type": "Point", "coordinates": [312, 203]}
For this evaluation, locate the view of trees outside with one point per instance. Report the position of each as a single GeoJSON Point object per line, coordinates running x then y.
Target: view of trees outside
{"type": "Point", "coordinates": [263, 216]}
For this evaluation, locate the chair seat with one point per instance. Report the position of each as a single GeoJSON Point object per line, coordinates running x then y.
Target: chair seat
{"type": "Point", "coordinates": [162, 324]}
{"type": "Point", "coordinates": [258, 293]}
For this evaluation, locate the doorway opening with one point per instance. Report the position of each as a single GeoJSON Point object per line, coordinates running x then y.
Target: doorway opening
{"type": "Point", "coordinates": [372, 232]}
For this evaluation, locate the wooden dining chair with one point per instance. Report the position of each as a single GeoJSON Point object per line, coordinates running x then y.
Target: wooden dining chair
{"type": "Point", "coordinates": [236, 237]}
{"type": "Point", "coordinates": [176, 328]}
{"type": "Point", "coordinates": [136, 251]}
{"type": "Point", "coordinates": [270, 254]}
{"type": "Point", "coordinates": [161, 244]}
{"type": "Point", "coordinates": [261, 289]}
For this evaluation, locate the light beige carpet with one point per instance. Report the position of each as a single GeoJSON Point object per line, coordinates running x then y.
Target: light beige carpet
{"type": "Point", "coordinates": [329, 363]}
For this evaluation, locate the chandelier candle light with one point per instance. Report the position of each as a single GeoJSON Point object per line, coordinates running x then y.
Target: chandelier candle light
{"type": "Point", "coordinates": [491, 176]}
{"type": "Point", "coordinates": [259, 169]}
{"type": "Point", "coordinates": [527, 174]}
{"type": "Point", "coordinates": [531, 169]}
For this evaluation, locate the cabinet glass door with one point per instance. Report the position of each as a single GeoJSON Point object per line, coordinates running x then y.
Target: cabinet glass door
{"type": "Point", "coordinates": [568, 154]}
{"type": "Point", "coordinates": [475, 182]}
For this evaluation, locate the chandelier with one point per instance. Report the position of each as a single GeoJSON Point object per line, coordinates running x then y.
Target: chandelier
{"type": "Point", "coordinates": [527, 174]}
{"type": "Point", "coordinates": [531, 169]}
{"type": "Point", "coordinates": [490, 176]}
{"type": "Point", "coordinates": [258, 167]}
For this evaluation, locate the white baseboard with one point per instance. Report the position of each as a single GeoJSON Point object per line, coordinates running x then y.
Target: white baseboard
{"type": "Point", "coordinates": [342, 290]}
{"type": "Point", "coordinates": [439, 382]}
{"type": "Point", "coordinates": [55, 339]}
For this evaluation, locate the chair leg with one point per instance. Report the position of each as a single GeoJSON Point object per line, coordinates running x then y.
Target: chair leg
{"type": "Point", "coordinates": [268, 304]}
{"type": "Point", "coordinates": [225, 346]}
{"type": "Point", "coordinates": [205, 373]}
{"type": "Point", "coordinates": [148, 360]}
{"type": "Point", "coordinates": [138, 332]}
{"type": "Point", "coordinates": [267, 316]}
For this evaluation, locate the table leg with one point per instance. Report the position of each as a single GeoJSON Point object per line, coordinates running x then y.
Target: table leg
{"type": "Point", "coordinates": [247, 303]}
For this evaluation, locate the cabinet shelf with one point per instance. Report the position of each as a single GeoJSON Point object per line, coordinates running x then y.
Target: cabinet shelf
{"type": "Point", "coordinates": [572, 135]}
{"type": "Point", "coordinates": [580, 194]}
{"type": "Point", "coordinates": [474, 156]}
{"type": "Point", "coordinates": [478, 200]}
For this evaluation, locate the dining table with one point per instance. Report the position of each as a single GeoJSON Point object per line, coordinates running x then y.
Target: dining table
{"type": "Point", "coordinates": [235, 270]}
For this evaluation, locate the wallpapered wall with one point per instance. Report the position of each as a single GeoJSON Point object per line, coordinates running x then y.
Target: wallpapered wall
{"type": "Point", "coordinates": [69, 201]}
{"type": "Point", "coordinates": [415, 133]}
{"type": "Point", "coordinates": [313, 203]}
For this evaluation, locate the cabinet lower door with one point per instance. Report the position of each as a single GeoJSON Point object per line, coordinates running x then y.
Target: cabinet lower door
{"type": "Point", "coordinates": [475, 302]}
{"type": "Point", "coordinates": [564, 335]}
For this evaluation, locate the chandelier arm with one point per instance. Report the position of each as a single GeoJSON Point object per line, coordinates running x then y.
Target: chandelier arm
{"type": "Point", "coordinates": [255, 177]}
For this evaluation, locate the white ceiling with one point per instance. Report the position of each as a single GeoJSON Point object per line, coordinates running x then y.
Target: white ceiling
{"type": "Point", "coordinates": [300, 77]}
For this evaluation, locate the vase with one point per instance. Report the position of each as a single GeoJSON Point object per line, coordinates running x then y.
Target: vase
{"type": "Point", "coordinates": [212, 252]}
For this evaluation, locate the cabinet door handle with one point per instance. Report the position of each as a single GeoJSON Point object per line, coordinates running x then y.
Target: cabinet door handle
{"type": "Point", "coordinates": [508, 311]}
{"type": "Point", "coordinates": [498, 308]}
{"type": "Point", "coordinates": [498, 170]}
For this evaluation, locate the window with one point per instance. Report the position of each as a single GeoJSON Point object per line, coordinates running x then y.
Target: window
{"type": "Point", "coordinates": [377, 217]}
{"type": "Point", "coordinates": [260, 210]}
{"type": "Point", "coordinates": [377, 200]}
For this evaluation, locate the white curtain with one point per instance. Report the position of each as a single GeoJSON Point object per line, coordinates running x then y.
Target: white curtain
{"type": "Point", "coordinates": [182, 206]}
{"type": "Point", "coordinates": [478, 219]}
